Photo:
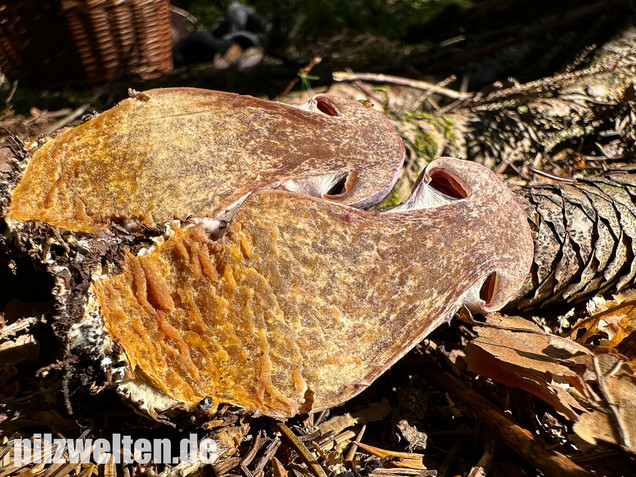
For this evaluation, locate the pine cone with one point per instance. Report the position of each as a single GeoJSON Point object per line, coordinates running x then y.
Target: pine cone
{"type": "Point", "coordinates": [584, 234]}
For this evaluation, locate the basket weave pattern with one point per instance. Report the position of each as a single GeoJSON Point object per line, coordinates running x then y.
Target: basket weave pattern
{"type": "Point", "coordinates": [90, 41]}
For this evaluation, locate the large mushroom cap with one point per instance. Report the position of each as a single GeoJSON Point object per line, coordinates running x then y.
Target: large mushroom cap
{"type": "Point", "coordinates": [304, 302]}
{"type": "Point", "coordinates": [174, 153]}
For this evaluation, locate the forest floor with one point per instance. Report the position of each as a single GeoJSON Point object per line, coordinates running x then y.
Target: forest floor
{"type": "Point", "coordinates": [438, 411]}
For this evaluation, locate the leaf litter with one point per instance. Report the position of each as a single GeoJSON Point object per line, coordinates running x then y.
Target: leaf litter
{"type": "Point", "coordinates": [581, 376]}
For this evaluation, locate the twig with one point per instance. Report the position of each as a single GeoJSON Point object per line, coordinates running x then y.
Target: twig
{"type": "Point", "coordinates": [19, 325]}
{"type": "Point", "coordinates": [256, 445]}
{"type": "Point", "coordinates": [343, 437]}
{"type": "Point", "coordinates": [518, 439]}
{"type": "Point", "coordinates": [302, 72]}
{"type": "Point", "coordinates": [492, 448]}
{"type": "Point", "coordinates": [427, 97]}
{"type": "Point", "coordinates": [321, 417]}
{"type": "Point", "coordinates": [53, 469]}
{"type": "Point", "coordinates": [245, 470]}
{"type": "Point", "coordinates": [623, 433]}
{"type": "Point", "coordinates": [65, 470]}
{"type": "Point", "coordinates": [409, 460]}
{"type": "Point", "coordinates": [382, 453]}
{"type": "Point", "coordinates": [354, 447]}
{"type": "Point", "coordinates": [351, 454]}
{"type": "Point", "coordinates": [365, 89]}
{"type": "Point", "coordinates": [267, 455]}
{"type": "Point", "coordinates": [88, 470]}
{"type": "Point", "coordinates": [546, 86]}
{"type": "Point", "coordinates": [398, 80]}
{"type": "Point", "coordinates": [311, 462]}
{"type": "Point", "coordinates": [450, 459]}
{"type": "Point", "coordinates": [227, 465]}
{"type": "Point", "coordinates": [14, 88]}
{"type": "Point", "coordinates": [551, 176]}
{"type": "Point", "coordinates": [398, 472]}
{"type": "Point", "coordinates": [66, 119]}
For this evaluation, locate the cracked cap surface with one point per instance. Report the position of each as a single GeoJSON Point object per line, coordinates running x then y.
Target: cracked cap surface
{"type": "Point", "coordinates": [304, 302]}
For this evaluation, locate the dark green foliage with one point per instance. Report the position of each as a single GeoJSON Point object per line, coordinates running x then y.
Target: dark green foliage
{"type": "Point", "coordinates": [393, 19]}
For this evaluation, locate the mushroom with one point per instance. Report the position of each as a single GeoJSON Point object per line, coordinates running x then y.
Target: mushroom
{"type": "Point", "coordinates": [303, 302]}
{"type": "Point", "coordinates": [178, 152]}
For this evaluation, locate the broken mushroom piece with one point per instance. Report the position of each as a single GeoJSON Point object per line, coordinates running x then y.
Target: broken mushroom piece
{"type": "Point", "coordinates": [174, 153]}
{"type": "Point", "coordinates": [304, 302]}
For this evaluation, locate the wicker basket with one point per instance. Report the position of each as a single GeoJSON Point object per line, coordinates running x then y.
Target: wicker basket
{"type": "Point", "coordinates": [84, 41]}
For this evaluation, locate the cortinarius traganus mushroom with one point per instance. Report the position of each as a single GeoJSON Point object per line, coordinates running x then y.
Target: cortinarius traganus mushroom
{"type": "Point", "coordinates": [298, 304]}
{"type": "Point", "coordinates": [174, 153]}
{"type": "Point", "coordinates": [303, 302]}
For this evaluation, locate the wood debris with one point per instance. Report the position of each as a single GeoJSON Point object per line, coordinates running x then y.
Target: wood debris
{"type": "Point", "coordinates": [557, 386]}
{"type": "Point", "coordinates": [593, 386]}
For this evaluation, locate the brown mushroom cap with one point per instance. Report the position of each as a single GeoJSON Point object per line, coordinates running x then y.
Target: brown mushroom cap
{"type": "Point", "coordinates": [304, 302]}
{"type": "Point", "coordinates": [180, 152]}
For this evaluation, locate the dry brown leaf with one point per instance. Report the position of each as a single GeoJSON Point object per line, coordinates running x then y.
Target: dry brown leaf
{"type": "Point", "coordinates": [611, 320]}
{"type": "Point", "coordinates": [22, 348]}
{"type": "Point", "coordinates": [372, 412]}
{"type": "Point", "coordinates": [595, 425]}
{"type": "Point", "coordinates": [516, 352]}
{"type": "Point", "coordinates": [617, 381]}
{"type": "Point", "coordinates": [593, 385]}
